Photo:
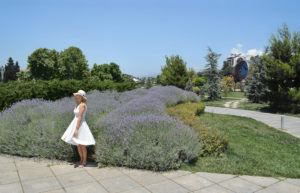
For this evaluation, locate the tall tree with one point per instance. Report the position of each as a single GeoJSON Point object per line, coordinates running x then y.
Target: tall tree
{"type": "Point", "coordinates": [174, 72]}
{"type": "Point", "coordinates": [43, 64]}
{"type": "Point", "coordinates": [109, 71]}
{"type": "Point", "coordinates": [227, 69]}
{"type": "Point", "coordinates": [72, 64]}
{"type": "Point", "coordinates": [283, 70]}
{"type": "Point", "coordinates": [212, 87]}
{"type": "Point", "coordinates": [256, 88]}
{"type": "Point", "coordinates": [10, 70]}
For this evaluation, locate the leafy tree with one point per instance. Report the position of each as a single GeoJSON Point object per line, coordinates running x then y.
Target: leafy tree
{"type": "Point", "coordinates": [72, 64]}
{"type": "Point", "coordinates": [109, 71]}
{"type": "Point", "coordinates": [24, 75]}
{"type": "Point", "coordinates": [227, 69]}
{"type": "Point", "coordinates": [256, 88]}
{"type": "Point", "coordinates": [148, 83]}
{"type": "Point", "coordinates": [174, 72]}
{"type": "Point", "coordinates": [10, 70]}
{"type": "Point", "coordinates": [43, 64]}
{"type": "Point", "coordinates": [227, 84]}
{"type": "Point", "coordinates": [212, 87]}
{"type": "Point", "coordinates": [283, 70]}
{"type": "Point", "coordinates": [199, 81]}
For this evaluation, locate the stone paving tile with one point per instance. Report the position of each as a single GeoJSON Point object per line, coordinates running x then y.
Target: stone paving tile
{"type": "Point", "coordinates": [29, 174]}
{"type": "Point", "coordinates": [174, 173]}
{"type": "Point", "coordinates": [167, 187]}
{"type": "Point", "coordinates": [239, 185]}
{"type": "Point", "coordinates": [56, 191]}
{"type": "Point", "coordinates": [261, 181]}
{"type": "Point", "coordinates": [147, 177]}
{"type": "Point", "coordinates": [214, 189]}
{"type": "Point", "coordinates": [293, 181]}
{"type": "Point", "coordinates": [104, 173]}
{"type": "Point", "coordinates": [23, 163]}
{"type": "Point", "coordinates": [128, 170]}
{"type": "Point", "coordinates": [11, 188]}
{"type": "Point", "coordinates": [281, 187]}
{"type": "Point", "coordinates": [93, 187]}
{"type": "Point", "coordinates": [41, 185]}
{"type": "Point", "coordinates": [9, 177]}
{"type": "Point", "coordinates": [64, 169]}
{"type": "Point", "coordinates": [9, 167]}
{"type": "Point", "coordinates": [75, 178]}
{"type": "Point", "coordinates": [137, 190]}
{"type": "Point", "coordinates": [6, 159]}
{"type": "Point", "coordinates": [192, 182]}
{"type": "Point", "coordinates": [215, 177]}
{"type": "Point", "coordinates": [119, 184]}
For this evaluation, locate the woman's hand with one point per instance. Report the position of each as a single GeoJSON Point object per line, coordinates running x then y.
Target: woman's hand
{"type": "Point", "coordinates": [75, 133]}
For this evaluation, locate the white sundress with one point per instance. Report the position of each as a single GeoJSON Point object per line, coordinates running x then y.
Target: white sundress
{"type": "Point", "coordinates": [85, 136]}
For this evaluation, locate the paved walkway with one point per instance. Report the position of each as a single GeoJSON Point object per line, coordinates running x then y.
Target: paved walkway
{"type": "Point", "coordinates": [21, 175]}
{"type": "Point", "coordinates": [291, 124]}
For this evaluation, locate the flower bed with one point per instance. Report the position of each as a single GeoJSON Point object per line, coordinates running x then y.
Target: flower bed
{"type": "Point", "coordinates": [131, 128]}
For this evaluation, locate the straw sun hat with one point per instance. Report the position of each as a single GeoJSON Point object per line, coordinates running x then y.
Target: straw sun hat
{"type": "Point", "coordinates": [81, 93]}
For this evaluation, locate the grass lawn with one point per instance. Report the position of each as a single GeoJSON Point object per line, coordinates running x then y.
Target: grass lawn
{"type": "Point", "coordinates": [237, 95]}
{"type": "Point", "coordinates": [254, 148]}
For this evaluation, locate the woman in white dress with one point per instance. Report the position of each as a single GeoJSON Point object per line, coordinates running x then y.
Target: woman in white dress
{"type": "Point", "coordinates": [78, 133]}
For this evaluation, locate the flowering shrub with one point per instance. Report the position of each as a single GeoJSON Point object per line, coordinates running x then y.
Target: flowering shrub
{"type": "Point", "coordinates": [33, 128]}
{"type": "Point", "coordinates": [140, 134]}
{"type": "Point", "coordinates": [131, 128]}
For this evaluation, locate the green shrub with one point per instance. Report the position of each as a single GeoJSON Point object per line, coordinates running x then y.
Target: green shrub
{"type": "Point", "coordinates": [54, 89]}
{"type": "Point", "coordinates": [196, 90]}
{"type": "Point", "coordinates": [212, 142]}
{"type": "Point", "coordinates": [199, 109]}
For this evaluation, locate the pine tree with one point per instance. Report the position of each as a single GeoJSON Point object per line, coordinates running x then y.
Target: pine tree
{"type": "Point", "coordinates": [212, 87]}
{"type": "Point", "coordinates": [282, 62]}
{"type": "Point", "coordinates": [174, 72]}
{"type": "Point", "coordinates": [10, 70]}
{"type": "Point", "coordinates": [256, 88]}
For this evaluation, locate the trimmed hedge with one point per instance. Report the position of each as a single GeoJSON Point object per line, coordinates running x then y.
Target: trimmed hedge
{"type": "Point", "coordinates": [211, 141]}
{"type": "Point", "coordinates": [200, 109]}
{"type": "Point", "coordinates": [15, 91]}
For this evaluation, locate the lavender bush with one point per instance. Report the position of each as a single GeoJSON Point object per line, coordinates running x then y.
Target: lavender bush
{"type": "Point", "coordinates": [131, 128]}
{"type": "Point", "coordinates": [140, 134]}
{"type": "Point", "coordinates": [33, 128]}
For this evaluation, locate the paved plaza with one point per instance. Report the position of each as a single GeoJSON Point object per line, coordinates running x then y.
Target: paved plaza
{"type": "Point", "coordinates": [291, 124]}
{"type": "Point", "coordinates": [22, 175]}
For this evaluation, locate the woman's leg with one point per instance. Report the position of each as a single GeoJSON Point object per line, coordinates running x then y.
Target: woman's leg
{"type": "Point", "coordinates": [80, 153]}
{"type": "Point", "coordinates": [84, 154]}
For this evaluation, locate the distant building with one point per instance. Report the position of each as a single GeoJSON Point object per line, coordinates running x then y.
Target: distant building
{"type": "Point", "coordinates": [239, 66]}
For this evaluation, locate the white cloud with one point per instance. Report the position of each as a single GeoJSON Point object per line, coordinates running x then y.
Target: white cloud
{"type": "Point", "coordinates": [254, 52]}
{"type": "Point", "coordinates": [238, 49]}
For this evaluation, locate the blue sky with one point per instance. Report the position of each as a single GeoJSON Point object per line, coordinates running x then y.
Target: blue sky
{"type": "Point", "coordinates": [138, 34]}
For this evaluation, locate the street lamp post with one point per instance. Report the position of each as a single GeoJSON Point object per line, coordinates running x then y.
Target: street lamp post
{"type": "Point", "coordinates": [1, 73]}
